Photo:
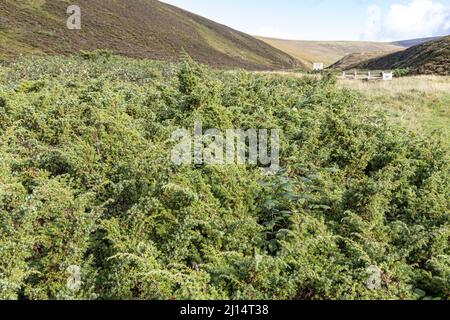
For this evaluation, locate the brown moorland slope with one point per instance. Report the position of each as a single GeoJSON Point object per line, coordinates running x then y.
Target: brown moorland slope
{"type": "Point", "coordinates": [135, 28]}
{"type": "Point", "coordinates": [328, 52]}
{"type": "Point", "coordinates": [428, 58]}
{"type": "Point", "coordinates": [353, 59]}
{"type": "Point", "coordinates": [414, 42]}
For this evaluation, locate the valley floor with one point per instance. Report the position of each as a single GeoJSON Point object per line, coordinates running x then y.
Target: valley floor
{"type": "Point", "coordinates": [421, 103]}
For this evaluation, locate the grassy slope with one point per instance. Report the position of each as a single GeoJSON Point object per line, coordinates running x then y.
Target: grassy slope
{"type": "Point", "coordinates": [428, 58]}
{"type": "Point", "coordinates": [420, 103]}
{"type": "Point", "coordinates": [138, 28]}
{"type": "Point", "coordinates": [327, 52]}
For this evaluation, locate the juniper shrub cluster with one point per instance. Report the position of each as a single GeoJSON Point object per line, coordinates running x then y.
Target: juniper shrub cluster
{"type": "Point", "coordinates": [86, 180]}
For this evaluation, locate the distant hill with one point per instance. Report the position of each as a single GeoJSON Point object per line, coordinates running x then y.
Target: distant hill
{"type": "Point", "coordinates": [137, 28]}
{"type": "Point", "coordinates": [353, 59]}
{"type": "Point", "coordinates": [428, 58]}
{"type": "Point", "coordinates": [413, 42]}
{"type": "Point", "coordinates": [328, 52]}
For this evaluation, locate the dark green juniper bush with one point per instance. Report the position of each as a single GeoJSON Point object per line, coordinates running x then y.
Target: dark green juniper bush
{"type": "Point", "coordinates": [91, 205]}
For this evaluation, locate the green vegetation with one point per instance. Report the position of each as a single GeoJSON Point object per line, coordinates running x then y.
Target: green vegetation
{"type": "Point", "coordinates": [86, 180]}
{"type": "Point", "coordinates": [402, 72]}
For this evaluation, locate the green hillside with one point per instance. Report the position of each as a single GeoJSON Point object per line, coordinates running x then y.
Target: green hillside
{"type": "Point", "coordinates": [138, 28]}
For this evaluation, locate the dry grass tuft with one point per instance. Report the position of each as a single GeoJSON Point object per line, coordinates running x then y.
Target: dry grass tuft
{"type": "Point", "coordinates": [427, 84]}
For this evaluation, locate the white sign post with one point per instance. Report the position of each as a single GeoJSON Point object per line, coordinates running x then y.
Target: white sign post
{"type": "Point", "coordinates": [317, 66]}
{"type": "Point", "coordinates": [388, 76]}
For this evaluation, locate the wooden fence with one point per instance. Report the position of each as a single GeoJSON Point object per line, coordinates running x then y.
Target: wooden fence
{"type": "Point", "coordinates": [369, 75]}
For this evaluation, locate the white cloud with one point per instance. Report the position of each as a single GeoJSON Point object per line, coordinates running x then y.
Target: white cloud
{"type": "Point", "coordinates": [373, 27]}
{"type": "Point", "coordinates": [274, 33]}
{"type": "Point", "coordinates": [418, 18]}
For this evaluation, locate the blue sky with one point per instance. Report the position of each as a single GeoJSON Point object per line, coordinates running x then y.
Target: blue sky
{"type": "Point", "coordinates": [381, 20]}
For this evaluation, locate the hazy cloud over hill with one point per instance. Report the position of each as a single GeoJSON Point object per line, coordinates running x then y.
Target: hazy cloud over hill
{"type": "Point", "coordinates": [418, 18]}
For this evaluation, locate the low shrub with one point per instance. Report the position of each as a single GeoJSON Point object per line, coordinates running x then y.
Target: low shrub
{"type": "Point", "coordinates": [88, 191]}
